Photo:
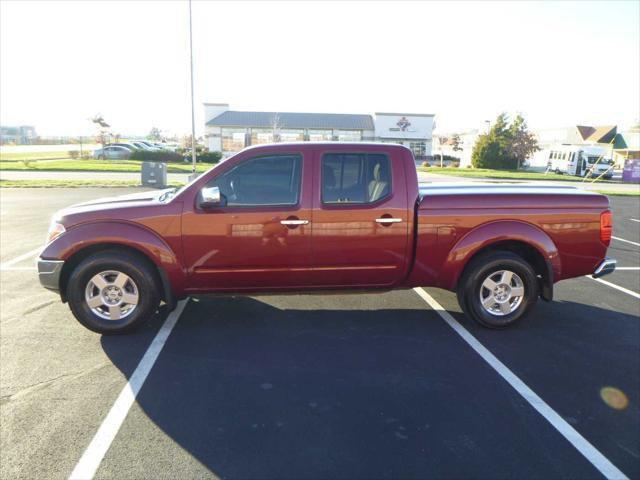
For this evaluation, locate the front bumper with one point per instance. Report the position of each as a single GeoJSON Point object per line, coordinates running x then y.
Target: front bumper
{"type": "Point", "coordinates": [607, 266]}
{"type": "Point", "coordinates": [49, 273]}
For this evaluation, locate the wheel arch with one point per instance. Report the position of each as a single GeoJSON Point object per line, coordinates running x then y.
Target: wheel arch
{"type": "Point", "coordinates": [84, 240]}
{"type": "Point", "coordinates": [521, 238]}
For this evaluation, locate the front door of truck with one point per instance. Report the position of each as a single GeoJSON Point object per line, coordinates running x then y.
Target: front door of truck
{"type": "Point", "coordinates": [260, 238]}
{"type": "Point", "coordinates": [360, 218]}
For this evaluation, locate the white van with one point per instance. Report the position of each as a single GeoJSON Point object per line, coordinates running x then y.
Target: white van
{"type": "Point", "coordinates": [580, 160]}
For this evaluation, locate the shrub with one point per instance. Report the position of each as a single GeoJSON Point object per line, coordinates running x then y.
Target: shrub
{"type": "Point", "coordinates": [425, 164]}
{"type": "Point", "coordinates": [74, 154]}
{"type": "Point", "coordinates": [455, 164]}
{"type": "Point", "coordinates": [208, 157]}
{"type": "Point", "coordinates": [153, 156]}
{"type": "Point", "coordinates": [86, 155]}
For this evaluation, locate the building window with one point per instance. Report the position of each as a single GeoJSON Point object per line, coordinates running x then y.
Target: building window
{"type": "Point", "coordinates": [261, 135]}
{"type": "Point", "coordinates": [320, 135]}
{"type": "Point", "coordinates": [291, 135]}
{"type": "Point", "coordinates": [349, 135]}
{"type": "Point", "coordinates": [232, 139]}
{"type": "Point", "coordinates": [419, 149]}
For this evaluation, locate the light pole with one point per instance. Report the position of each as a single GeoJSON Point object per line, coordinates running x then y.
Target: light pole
{"type": "Point", "coordinates": [193, 116]}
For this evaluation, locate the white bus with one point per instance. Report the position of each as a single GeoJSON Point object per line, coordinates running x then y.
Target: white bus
{"type": "Point", "coordinates": [580, 160]}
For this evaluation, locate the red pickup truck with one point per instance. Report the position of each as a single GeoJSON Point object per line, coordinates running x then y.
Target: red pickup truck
{"type": "Point", "coordinates": [323, 216]}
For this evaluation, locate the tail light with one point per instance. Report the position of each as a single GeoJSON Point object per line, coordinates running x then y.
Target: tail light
{"type": "Point", "coordinates": [606, 227]}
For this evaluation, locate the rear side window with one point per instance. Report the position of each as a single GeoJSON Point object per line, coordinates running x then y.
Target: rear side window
{"type": "Point", "coordinates": [355, 178]}
{"type": "Point", "coordinates": [270, 180]}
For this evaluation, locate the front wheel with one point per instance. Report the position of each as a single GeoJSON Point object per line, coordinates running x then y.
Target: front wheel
{"type": "Point", "coordinates": [113, 292]}
{"type": "Point", "coordinates": [498, 289]}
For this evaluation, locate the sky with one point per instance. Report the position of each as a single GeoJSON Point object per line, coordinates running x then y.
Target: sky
{"type": "Point", "coordinates": [557, 63]}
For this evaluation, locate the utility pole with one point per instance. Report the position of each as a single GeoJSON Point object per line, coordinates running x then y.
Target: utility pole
{"type": "Point", "coordinates": [193, 115]}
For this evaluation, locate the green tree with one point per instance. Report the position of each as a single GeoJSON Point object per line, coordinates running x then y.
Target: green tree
{"type": "Point", "coordinates": [506, 146]}
{"type": "Point", "coordinates": [522, 143]}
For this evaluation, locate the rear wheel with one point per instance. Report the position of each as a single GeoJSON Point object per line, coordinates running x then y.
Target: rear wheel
{"type": "Point", "coordinates": [498, 289]}
{"type": "Point", "coordinates": [113, 292]}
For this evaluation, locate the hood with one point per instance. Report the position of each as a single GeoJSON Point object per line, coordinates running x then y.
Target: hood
{"type": "Point", "coordinates": [149, 196]}
{"type": "Point", "coordinates": [120, 207]}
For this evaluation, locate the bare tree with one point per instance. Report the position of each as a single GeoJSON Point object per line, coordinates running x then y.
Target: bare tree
{"type": "Point", "coordinates": [276, 126]}
{"type": "Point", "coordinates": [102, 127]}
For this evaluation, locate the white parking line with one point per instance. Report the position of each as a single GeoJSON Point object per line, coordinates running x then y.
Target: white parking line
{"type": "Point", "coordinates": [92, 457]}
{"type": "Point", "coordinates": [597, 459]}
{"type": "Point", "coordinates": [20, 258]}
{"type": "Point", "coordinates": [627, 268]}
{"type": "Point", "coordinates": [634, 220]}
{"type": "Point", "coordinates": [617, 287]}
{"type": "Point", "coordinates": [19, 269]}
{"type": "Point", "coordinates": [626, 241]}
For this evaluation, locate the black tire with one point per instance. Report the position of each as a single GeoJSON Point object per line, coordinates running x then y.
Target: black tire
{"type": "Point", "coordinates": [138, 269]}
{"type": "Point", "coordinates": [485, 266]}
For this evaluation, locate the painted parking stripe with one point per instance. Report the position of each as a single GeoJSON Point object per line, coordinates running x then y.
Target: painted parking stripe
{"type": "Point", "coordinates": [20, 258]}
{"type": "Point", "coordinates": [635, 220]}
{"type": "Point", "coordinates": [626, 241]}
{"type": "Point", "coordinates": [19, 269]}
{"type": "Point", "coordinates": [593, 455]}
{"type": "Point", "coordinates": [95, 452]}
{"type": "Point", "coordinates": [617, 287]}
{"type": "Point", "coordinates": [627, 268]}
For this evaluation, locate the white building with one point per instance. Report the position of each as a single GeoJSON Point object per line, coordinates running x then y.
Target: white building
{"type": "Point", "coordinates": [229, 131]}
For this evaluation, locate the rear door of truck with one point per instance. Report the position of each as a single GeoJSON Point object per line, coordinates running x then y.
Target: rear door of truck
{"type": "Point", "coordinates": [360, 216]}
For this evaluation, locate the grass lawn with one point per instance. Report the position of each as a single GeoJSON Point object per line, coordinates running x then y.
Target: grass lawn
{"type": "Point", "coordinates": [503, 174]}
{"type": "Point", "coordinates": [73, 183]}
{"type": "Point", "coordinates": [610, 193]}
{"type": "Point", "coordinates": [18, 156]}
{"type": "Point", "coordinates": [93, 166]}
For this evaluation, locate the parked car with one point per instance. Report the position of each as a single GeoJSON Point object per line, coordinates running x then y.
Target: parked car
{"type": "Point", "coordinates": [323, 216]}
{"type": "Point", "coordinates": [144, 146]}
{"type": "Point", "coordinates": [113, 152]}
{"type": "Point", "coordinates": [128, 145]}
{"type": "Point", "coordinates": [147, 145]}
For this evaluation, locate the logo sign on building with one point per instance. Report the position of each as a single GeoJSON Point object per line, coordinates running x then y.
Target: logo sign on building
{"type": "Point", "coordinates": [403, 126]}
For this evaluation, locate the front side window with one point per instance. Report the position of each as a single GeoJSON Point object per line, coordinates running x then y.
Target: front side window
{"type": "Point", "coordinates": [270, 180]}
{"type": "Point", "coordinates": [355, 178]}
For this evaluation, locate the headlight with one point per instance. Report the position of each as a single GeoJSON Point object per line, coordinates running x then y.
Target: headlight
{"type": "Point", "coordinates": [55, 230]}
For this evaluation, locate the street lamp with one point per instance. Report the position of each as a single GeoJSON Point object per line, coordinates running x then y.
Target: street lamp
{"type": "Point", "coordinates": [193, 116]}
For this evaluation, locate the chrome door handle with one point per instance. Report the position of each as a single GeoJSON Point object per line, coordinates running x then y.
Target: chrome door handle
{"type": "Point", "coordinates": [294, 222]}
{"type": "Point", "coordinates": [388, 220]}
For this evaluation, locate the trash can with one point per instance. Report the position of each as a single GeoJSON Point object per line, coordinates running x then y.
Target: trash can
{"type": "Point", "coordinates": [154, 174]}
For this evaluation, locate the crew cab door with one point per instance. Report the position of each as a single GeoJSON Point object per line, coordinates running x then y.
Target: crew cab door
{"type": "Point", "coordinates": [260, 238]}
{"type": "Point", "coordinates": [360, 217]}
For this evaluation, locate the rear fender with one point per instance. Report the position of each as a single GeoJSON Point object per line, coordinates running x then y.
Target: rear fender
{"type": "Point", "coordinates": [133, 236]}
{"type": "Point", "coordinates": [502, 231]}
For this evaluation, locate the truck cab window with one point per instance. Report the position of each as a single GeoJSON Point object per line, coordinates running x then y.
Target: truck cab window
{"type": "Point", "coordinates": [349, 178]}
{"type": "Point", "coordinates": [269, 180]}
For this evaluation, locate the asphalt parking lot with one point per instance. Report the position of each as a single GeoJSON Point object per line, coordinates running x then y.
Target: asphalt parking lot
{"type": "Point", "coordinates": [313, 386]}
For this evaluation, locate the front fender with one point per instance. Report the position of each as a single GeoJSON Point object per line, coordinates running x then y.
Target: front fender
{"type": "Point", "coordinates": [131, 235]}
{"type": "Point", "coordinates": [493, 232]}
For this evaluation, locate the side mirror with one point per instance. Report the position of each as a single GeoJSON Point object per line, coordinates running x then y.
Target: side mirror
{"type": "Point", "coordinates": [210, 197]}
